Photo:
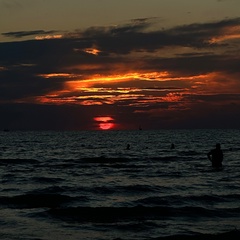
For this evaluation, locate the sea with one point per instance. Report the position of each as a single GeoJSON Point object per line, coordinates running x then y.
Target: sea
{"type": "Point", "coordinates": [89, 185]}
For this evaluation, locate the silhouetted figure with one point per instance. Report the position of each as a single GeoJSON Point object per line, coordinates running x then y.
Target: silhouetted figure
{"type": "Point", "coordinates": [216, 156]}
{"type": "Point", "coordinates": [128, 146]}
{"type": "Point", "coordinates": [172, 146]}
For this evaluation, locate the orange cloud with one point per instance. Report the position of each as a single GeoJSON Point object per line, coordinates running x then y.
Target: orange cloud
{"type": "Point", "coordinates": [93, 51]}
{"type": "Point", "coordinates": [103, 119]}
{"type": "Point", "coordinates": [92, 91]}
{"type": "Point", "coordinates": [56, 75]}
{"type": "Point", "coordinates": [228, 33]}
{"type": "Point", "coordinates": [57, 36]}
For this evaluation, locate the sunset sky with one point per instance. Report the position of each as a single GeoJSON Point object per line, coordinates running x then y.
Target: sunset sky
{"type": "Point", "coordinates": [109, 64]}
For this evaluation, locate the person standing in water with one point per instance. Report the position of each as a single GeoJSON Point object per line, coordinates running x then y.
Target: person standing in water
{"type": "Point", "coordinates": [216, 156]}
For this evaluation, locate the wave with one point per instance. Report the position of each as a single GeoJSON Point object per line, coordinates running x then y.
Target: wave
{"type": "Point", "coordinates": [117, 162]}
{"type": "Point", "coordinates": [103, 159]}
{"type": "Point", "coordinates": [233, 235]}
{"type": "Point", "coordinates": [35, 200]}
{"type": "Point", "coordinates": [130, 159]}
{"type": "Point", "coordinates": [187, 200]}
{"type": "Point", "coordinates": [18, 161]}
{"type": "Point", "coordinates": [137, 213]}
{"type": "Point", "coordinates": [48, 180]}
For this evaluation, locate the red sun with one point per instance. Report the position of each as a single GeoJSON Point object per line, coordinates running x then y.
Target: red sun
{"type": "Point", "coordinates": [105, 123]}
{"type": "Point", "coordinates": [106, 126]}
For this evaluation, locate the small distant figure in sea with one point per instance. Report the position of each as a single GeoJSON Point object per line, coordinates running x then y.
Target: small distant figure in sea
{"type": "Point", "coordinates": [172, 146]}
{"type": "Point", "coordinates": [216, 156]}
{"type": "Point", "coordinates": [128, 146]}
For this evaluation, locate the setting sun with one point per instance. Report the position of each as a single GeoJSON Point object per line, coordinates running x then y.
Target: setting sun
{"type": "Point", "coordinates": [105, 123]}
{"type": "Point", "coordinates": [106, 126]}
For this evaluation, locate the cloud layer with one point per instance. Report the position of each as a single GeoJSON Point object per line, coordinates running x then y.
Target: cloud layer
{"type": "Point", "coordinates": [185, 76]}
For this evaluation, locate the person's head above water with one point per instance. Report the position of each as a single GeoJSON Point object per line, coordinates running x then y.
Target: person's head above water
{"type": "Point", "coordinates": [218, 146]}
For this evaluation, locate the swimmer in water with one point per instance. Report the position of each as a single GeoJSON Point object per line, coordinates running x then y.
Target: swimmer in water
{"type": "Point", "coordinates": [216, 156]}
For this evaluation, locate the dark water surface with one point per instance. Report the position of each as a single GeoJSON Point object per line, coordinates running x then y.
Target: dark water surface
{"type": "Point", "coordinates": [86, 185]}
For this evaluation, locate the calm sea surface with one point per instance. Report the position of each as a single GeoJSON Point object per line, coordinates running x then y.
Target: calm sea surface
{"type": "Point", "coordinates": [87, 185]}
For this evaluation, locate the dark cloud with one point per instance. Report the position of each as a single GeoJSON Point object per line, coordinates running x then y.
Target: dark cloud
{"type": "Point", "coordinates": [76, 117]}
{"type": "Point", "coordinates": [21, 34]}
{"type": "Point", "coordinates": [125, 39]}
{"type": "Point", "coordinates": [45, 117]}
{"type": "Point", "coordinates": [19, 84]}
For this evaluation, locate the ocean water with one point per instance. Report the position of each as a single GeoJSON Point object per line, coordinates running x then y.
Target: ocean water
{"type": "Point", "coordinates": [87, 185]}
